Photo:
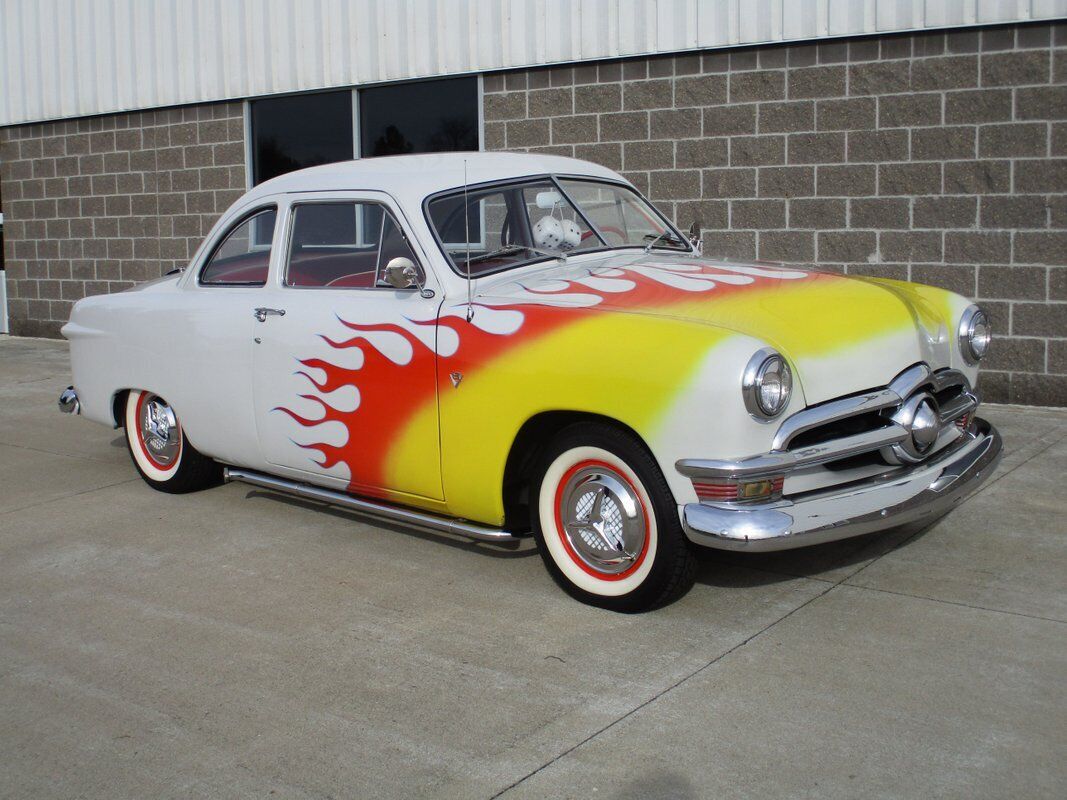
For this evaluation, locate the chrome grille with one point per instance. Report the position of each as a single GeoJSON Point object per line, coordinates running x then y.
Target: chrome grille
{"type": "Point", "coordinates": [879, 410]}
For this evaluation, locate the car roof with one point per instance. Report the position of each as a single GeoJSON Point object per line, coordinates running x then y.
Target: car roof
{"type": "Point", "coordinates": [416, 176]}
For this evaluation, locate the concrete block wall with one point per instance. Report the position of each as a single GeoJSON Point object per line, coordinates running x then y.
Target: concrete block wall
{"type": "Point", "coordinates": [939, 158]}
{"type": "Point", "coordinates": [96, 205]}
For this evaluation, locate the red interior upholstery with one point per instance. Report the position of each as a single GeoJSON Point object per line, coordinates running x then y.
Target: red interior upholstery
{"type": "Point", "coordinates": [313, 267]}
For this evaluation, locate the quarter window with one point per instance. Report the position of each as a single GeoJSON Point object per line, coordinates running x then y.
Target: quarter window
{"type": "Point", "coordinates": [242, 258]}
{"type": "Point", "coordinates": [343, 245]}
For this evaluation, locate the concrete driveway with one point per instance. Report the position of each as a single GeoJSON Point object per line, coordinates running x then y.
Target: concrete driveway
{"type": "Point", "coordinates": [237, 643]}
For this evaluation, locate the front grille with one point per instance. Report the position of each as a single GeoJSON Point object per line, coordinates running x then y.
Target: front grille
{"type": "Point", "coordinates": [874, 410]}
{"type": "Point", "coordinates": [849, 426]}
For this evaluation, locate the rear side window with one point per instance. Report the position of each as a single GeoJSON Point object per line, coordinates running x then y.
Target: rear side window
{"type": "Point", "coordinates": [243, 256]}
{"type": "Point", "coordinates": [343, 245]}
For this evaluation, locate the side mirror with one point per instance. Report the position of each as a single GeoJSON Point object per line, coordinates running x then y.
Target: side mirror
{"type": "Point", "coordinates": [695, 238]}
{"type": "Point", "coordinates": [401, 273]}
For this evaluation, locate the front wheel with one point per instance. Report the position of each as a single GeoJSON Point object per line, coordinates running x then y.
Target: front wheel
{"type": "Point", "coordinates": [606, 523]}
{"type": "Point", "coordinates": [160, 450]}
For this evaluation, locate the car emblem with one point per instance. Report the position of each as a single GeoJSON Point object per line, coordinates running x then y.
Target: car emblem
{"type": "Point", "coordinates": [456, 377]}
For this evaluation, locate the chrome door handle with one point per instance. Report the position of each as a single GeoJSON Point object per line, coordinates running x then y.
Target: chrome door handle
{"type": "Point", "coordinates": [261, 313]}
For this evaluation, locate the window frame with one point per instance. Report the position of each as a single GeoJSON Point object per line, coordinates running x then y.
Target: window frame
{"type": "Point", "coordinates": [554, 179]}
{"type": "Point", "coordinates": [221, 240]}
{"type": "Point", "coordinates": [283, 276]}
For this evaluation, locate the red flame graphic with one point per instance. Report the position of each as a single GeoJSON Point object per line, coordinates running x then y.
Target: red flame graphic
{"type": "Point", "coordinates": [391, 394]}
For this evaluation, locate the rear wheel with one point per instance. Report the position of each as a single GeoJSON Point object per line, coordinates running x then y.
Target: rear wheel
{"type": "Point", "coordinates": [606, 523]}
{"type": "Point", "coordinates": [157, 444]}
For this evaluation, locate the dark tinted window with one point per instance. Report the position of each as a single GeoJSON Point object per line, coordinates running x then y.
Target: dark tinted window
{"type": "Point", "coordinates": [422, 117]}
{"type": "Point", "coordinates": [242, 258]}
{"type": "Point", "coordinates": [300, 130]}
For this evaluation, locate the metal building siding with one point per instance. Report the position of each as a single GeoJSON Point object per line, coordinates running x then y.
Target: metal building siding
{"type": "Point", "coordinates": [69, 58]}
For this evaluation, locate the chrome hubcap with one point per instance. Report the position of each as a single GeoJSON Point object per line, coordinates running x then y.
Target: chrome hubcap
{"type": "Point", "coordinates": [603, 520]}
{"type": "Point", "coordinates": [159, 430]}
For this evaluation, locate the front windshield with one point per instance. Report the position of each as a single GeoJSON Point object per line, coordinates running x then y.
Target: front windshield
{"type": "Point", "coordinates": [500, 227]}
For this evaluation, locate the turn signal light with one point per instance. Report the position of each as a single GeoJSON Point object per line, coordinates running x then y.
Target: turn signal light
{"type": "Point", "coordinates": [732, 491]}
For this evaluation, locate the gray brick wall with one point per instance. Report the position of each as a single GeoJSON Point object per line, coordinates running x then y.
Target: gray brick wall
{"type": "Point", "coordinates": [939, 158]}
{"type": "Point", "coordinates": [96, 205]}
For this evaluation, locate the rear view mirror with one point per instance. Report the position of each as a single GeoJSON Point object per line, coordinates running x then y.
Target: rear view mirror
{"type": "Point", "coordinates": [548, 200]}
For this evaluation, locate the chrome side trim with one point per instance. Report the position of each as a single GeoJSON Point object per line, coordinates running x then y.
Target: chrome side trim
{"type": "Point", "coordinates": [418, 519]}
{"type": "Point", "coordinates": [69, 402]}
{"type": "Point", "coordinates": [923, 492]}
{"type": "Point", "coordinates": [785, 461]}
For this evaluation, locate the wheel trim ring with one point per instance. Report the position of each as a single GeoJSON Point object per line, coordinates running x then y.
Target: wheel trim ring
{"type": "Point", "coordinates": [565, 539]}
{"type": "Point", "coordinates": [144, 397]}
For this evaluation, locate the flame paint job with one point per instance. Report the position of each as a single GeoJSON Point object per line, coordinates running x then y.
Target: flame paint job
{"type": "Point", "coordinates": [657, 343]}
{"type": "Point", "coordinates": [527, 350]}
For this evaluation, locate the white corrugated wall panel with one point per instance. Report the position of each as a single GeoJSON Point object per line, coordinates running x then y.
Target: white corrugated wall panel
{"type": "Point", "coordinates": [69, 58]}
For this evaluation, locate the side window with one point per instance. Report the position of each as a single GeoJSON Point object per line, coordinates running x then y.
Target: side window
{"type": "Point", "coordinates": [243, 256]}
{"type": "Point", "coordinates": [343, 245]}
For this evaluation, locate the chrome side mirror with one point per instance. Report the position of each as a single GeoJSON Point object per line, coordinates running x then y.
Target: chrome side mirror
{"type": "Point", "coordinates": [401, 273]}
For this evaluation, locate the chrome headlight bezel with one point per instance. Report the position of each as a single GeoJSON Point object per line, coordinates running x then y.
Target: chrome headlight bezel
{"type": "Point", "coordinates": [973, 319]}
{"type": "Point", "coordinates": [764, 363]}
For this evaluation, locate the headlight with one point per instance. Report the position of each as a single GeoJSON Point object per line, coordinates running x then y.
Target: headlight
{"type": "Point", "coordinates": [766, 384]}
{"type": "Point", "coordinates": [975, 334]}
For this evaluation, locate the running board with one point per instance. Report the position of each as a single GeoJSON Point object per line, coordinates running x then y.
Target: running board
{"type": "Point", "coordinates": [418, 519]}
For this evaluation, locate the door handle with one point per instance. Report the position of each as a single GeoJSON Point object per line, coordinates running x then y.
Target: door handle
{"type": "Point", "coordinates": [261, 313]}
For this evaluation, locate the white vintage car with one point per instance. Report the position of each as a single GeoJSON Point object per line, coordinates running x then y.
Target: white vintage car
{"type": "Point", "coordinates": [502, 345]}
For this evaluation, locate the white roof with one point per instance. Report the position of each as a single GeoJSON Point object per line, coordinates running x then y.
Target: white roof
{"type": "Point", "coordinates": [411, 178]}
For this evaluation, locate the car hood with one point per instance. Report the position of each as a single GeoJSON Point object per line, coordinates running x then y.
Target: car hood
{"type": "Point", "coordinates": [842, 334]}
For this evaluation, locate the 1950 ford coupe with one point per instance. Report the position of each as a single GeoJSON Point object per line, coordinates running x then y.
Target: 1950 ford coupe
{"type": "Point", "coordinates": [501, 345]}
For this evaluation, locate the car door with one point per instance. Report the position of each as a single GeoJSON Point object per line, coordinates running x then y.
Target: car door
{"type": "Point", "coordinates": [344, 366]}
{"type": "Point", "coordinates": [207, 374]}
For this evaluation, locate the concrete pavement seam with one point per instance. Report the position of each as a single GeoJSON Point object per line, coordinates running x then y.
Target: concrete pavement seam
{"type": "Point", "coordinates": [664, 691]}
{"type": "Point", "coordinates": [54, 453]}
{"type": "Point", "coordinates": [955, 603]}
{"type": "Point", "coordinates": [68, 496]}
{"type": "Point", "coordinates": [1026, 461]}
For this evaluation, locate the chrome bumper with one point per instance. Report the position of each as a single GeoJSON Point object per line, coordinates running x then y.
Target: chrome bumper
{"type": "Point", "coordinates": [922, 492]}
{"type": "Point", "coordinates": [68, 401]}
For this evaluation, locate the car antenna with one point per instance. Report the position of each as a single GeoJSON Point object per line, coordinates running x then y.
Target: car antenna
{"type": "Point", "coordinates": [467, 236]}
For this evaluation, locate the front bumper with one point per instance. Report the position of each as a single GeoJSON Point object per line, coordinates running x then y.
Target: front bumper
{"type": "Point", "coordinates": [922, 492]}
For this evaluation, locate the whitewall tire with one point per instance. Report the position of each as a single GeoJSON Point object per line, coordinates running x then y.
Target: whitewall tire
{"type": "Point", "coordinates": [606, 523]}
{"type": "Point", "coordinates": [159, 448]}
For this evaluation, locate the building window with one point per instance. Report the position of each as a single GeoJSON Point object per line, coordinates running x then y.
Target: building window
{"type": "Point", "coordinates": [421, 117]}
{"type": "Point", "coordinates": [301, 130]}
{"type": "Point", "coordinates": [297, 131]}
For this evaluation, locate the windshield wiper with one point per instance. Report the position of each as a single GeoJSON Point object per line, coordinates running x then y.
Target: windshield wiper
{"type": "Point", "coordinates": [666, 234]}
{"type": "Point", "coordinates": [511, 249]}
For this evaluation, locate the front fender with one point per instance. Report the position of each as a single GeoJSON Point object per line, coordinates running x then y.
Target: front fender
{"type": "Point", "coordinates": [675, 383]}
